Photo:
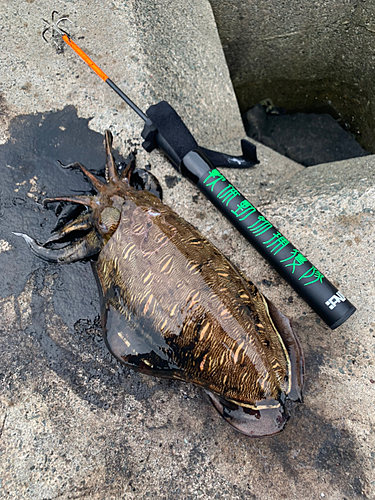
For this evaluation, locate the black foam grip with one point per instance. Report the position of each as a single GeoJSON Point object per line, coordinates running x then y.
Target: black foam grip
{"type": "Point", "coordinates": [172, 128]}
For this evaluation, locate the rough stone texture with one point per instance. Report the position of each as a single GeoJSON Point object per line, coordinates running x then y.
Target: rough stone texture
{"type": "Point", "coordinates": [305, 56]}
{"type": "Point", "coordinates": [142, 45]}
{"type": "Point", "coordinates": [73, 423]}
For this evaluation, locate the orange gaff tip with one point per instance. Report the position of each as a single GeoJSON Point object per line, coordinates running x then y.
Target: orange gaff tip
{"type": "Point", "coordinates": [102, 75]}
{"type": "Point", "coordinates": [85, 57]}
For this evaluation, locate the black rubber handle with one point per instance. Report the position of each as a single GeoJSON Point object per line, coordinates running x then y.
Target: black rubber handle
{"type": "Point", "coordinates": [322, 296]}
{"type": "Point", "coordinates": [164, 129]}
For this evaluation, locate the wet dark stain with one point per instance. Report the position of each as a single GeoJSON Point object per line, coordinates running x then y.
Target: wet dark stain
{"type": "Point", "coordinates": [78, 356]}
{"type": "Point", "coordinates": [316, 442]}
{"type": "Point", "coordinates": [267, 283]}
{"type": "Point", "coordinates": [314, 360]}
{"type": "Point", "coordinates": [331, 454]}
{"type": "Point", "coordinates": [171, 180]}
{"type": "Point", "coordinates": [309, 442]}
{"type": "Point", "coordinates": [30, 172]}
{"type": "Point", "coordinates": [36, 142]}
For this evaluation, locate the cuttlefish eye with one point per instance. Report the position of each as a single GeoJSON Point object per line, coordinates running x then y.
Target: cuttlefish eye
{"type": "Point", "coordinates": [109, 220]}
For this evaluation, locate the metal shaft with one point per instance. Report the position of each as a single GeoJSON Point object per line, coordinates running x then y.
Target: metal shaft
{"type": "Point", "coordinates": [103, 76]}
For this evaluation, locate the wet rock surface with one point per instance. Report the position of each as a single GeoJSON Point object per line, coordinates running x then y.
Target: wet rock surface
{"type": "Point", "coordinates": [76, 424]}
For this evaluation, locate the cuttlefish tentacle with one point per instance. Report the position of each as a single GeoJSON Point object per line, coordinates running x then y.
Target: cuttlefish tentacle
{"type": "Point", "coordinates": [97, 183]}
{"type": "Point", "coordinates": [88, 201]}
{"type": "Point", "coordinates": [110, 170]}
{"type": "Point", "coordinates": [91, 243]}
{"type": "Point", "coordinates": [82, 249]}
{"type": "Point", "coordinates": [127, 173]}
{"type": "Point", "coordinates": [81, 223]}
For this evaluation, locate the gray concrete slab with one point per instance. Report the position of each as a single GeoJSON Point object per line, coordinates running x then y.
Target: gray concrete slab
{"type": "Point", "coordinates": [304, 56]}
{"type": "Point", "coordinates": [73, 423]}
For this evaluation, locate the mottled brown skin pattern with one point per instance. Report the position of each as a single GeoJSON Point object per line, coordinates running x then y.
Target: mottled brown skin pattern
{"type": "Point", "coordinates": [174, 306]}
{"type": "Point", "coordinates": [215, 328]}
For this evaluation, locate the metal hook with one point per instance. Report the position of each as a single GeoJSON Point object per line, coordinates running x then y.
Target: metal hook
{"type": "Point", "coordinates": [55, 29]}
